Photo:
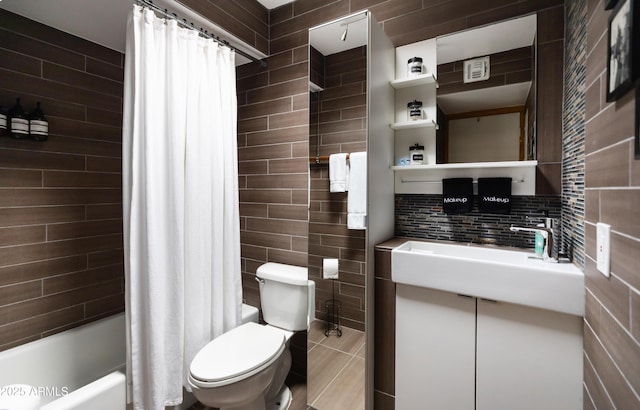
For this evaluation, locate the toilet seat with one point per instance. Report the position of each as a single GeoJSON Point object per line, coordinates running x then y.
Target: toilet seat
{"type": "Point", "coordinates": [236, 355]}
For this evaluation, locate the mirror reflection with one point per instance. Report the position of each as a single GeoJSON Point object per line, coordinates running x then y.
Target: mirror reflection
{"type": "Point", "coordinates": [487, 93]}
{"type": "Point", "coordinates": [338, 95]}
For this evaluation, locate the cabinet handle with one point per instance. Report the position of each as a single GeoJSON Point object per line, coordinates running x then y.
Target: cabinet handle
{"type": "Point", "coordinates": [465, 296]}
{"type": "Point", "coordinates": [489, 300]}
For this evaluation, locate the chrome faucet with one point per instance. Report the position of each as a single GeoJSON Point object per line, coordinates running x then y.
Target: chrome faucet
{"type": "Point", "coordinates": [547, 231]}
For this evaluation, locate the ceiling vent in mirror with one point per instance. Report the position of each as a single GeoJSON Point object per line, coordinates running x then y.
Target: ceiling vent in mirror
{"type": "Point", "coordinates": [476, 70]}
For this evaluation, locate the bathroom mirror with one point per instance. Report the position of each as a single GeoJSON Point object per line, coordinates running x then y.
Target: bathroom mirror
{"type": "Point", "coordinates": [493, 116]}
{"type": "Point", "coordinates": [338, 124]}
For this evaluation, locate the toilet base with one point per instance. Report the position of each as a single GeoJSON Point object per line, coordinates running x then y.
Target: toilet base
{"type": "Point", "coordinates": [282, 400]}
{"type": "Point", "coordinates": [254, 405]}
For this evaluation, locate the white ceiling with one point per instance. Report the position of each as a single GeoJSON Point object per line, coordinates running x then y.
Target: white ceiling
{"type": "Point", "coordinates": [272, 4]}
{"type": "Point", "coordinates": [326, 38]}
{"type": "Point", "coordinates": [487, 40]}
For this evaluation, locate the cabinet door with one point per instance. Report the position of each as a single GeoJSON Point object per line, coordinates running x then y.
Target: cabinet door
{"type": "Point", "coordinates": [527, 358]}
{"type": "Point", "coordinates": [435, 349]}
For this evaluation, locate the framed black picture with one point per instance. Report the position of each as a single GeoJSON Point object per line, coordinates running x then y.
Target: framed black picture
{"type": "Point", "coordinates": [622, 59]}
{"type": "Point", "coordinates": [609, 4]}
{"type": "Point", "coordinates": [638, 121]}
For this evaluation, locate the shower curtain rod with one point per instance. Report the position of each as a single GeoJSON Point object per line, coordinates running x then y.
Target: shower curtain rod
{"type": "Point", "coordinates": [204, 33]}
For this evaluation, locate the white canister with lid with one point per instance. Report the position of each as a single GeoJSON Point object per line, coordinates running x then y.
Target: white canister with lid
{"type": "Point", "coordinates": [414, 111]}
{"type": "Point", "coordinates": [414, 67]}
{"type": "Point", "coordinates": [416, 154]}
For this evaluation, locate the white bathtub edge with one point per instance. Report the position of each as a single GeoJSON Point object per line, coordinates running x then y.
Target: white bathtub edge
{"type": "Point", "coordinates": [106, 393]}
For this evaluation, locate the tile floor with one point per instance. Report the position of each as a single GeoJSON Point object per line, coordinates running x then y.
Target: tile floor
{"type": "Point", "coordinates": [335, 369]}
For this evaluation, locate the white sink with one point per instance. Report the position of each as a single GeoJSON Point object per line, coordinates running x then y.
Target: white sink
{"type": "Point", "coordinates": [490, 273]}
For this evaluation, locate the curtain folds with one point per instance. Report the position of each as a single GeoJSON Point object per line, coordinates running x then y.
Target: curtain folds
{"type": "Point", "coordinates": [180, 203]}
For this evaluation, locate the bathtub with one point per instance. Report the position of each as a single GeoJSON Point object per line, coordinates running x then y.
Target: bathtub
{"type": "Point", "coordinates": [80, 368]}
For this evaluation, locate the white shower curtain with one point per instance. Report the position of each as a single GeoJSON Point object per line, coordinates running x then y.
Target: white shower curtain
{"type": "Point", "coordinates": [180, 203]}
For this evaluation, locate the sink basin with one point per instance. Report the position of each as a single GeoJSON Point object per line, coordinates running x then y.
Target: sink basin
{"type": "Point", "coordinates": [490, 273]}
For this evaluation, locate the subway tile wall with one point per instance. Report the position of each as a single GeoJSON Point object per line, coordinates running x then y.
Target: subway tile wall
{"type": "Point", "coordinates": [612, 195]}
{"type": "Point", "coordinates": [61, 260]}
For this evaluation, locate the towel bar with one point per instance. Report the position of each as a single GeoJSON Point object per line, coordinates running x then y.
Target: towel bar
{"type": "Point", "coordinates": [319, 159]}
{"type": "Point", "coordinates": [475, 181]}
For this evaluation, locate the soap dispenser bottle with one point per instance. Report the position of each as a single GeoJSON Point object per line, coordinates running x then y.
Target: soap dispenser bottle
{"type": "Point", "coordinates": [540, 240]}
{"type": "Point", "coordinates": [19, 124]}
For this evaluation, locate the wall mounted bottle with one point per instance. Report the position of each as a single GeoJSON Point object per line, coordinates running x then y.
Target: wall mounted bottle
{"type": "Point", "coordinates": [18, 121]}
{"type": "Point", "coordinates": [38, 124]}
{"type": "Point", "coordinates": [3, 122]}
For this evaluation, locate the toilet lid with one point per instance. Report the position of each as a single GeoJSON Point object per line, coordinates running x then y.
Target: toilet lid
{"type": "Point", "coordinates": [237, 352]}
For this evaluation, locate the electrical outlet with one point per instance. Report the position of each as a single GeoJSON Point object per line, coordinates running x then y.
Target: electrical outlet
{"type": "Point", "coordinates": [603, 248]}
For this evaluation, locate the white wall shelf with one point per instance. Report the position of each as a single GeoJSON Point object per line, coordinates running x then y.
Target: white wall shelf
{"type": "Point", "coordinates": [413, 124]}
{"type": "Point", "coordinates": [422, 88]}
{"type": "Point", "coordinates": [468, 165]}
{"type": "Point", "coordinates": [424, 79]}
{"type": "Point", "coordinates": [427, 179]}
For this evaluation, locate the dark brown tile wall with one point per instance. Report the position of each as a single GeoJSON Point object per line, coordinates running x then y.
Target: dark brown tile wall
{"type": "Point", "coordinates": [612, 339]}
{"type": "Point", "coordinates": [341, 128]}
{"type": "Point", "coordinates": [61, 261]}
{"type": "Point", "coordinates": [316, 70]}
{"type": "Point", "coordinates": [550, 58]}
{"type": "Point", "coordinates": [273, 164]}
{"type": "Point", "coordinates": [246, 19]}
{"type": "Point", "coordinates": [385, 324]}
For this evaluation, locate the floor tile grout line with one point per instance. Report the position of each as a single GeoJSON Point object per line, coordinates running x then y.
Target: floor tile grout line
{"type": "Point", "coordinates": [332, 380]}
{"type": "Point", "coordinates": [340, 351]}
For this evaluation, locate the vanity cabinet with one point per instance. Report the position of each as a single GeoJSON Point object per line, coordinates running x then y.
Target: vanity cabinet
{"type": "Point", "coordinates": [461, 352]}
{"type": "Point", "coordinates": [527, 358]}
{"type": "Point", "coordinates": [435, 349]}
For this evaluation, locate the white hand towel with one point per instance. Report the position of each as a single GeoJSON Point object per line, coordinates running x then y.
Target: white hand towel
{"type": "Point", "coordinates": [338, 173]}
{"type": "Point", "coordinates": [357, 198]}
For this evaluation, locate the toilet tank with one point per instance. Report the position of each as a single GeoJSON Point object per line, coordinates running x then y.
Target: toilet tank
{"type": "Point", "coordinates": [284, 295]}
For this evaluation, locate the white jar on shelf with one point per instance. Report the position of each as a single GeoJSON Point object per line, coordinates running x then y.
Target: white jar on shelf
{"type": "Point", "coordinates": [416, 154]}
{"type": "Point", "coordinates": [414, 67]}
{"type": "Point", "coordinates": [414, 111]}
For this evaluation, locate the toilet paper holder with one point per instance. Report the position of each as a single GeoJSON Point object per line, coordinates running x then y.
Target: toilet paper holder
{"type": "Point", "coordinates": [332, 308]}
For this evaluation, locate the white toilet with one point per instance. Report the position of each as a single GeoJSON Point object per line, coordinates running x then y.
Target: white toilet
{"type": "Point", "coordinates": [245, 368]}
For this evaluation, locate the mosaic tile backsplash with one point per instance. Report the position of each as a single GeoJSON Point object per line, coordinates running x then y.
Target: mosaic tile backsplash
{"type": "Point", "coordinates": [421, 216]}
{"type": "Point", "coordinates": [573, 130]}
